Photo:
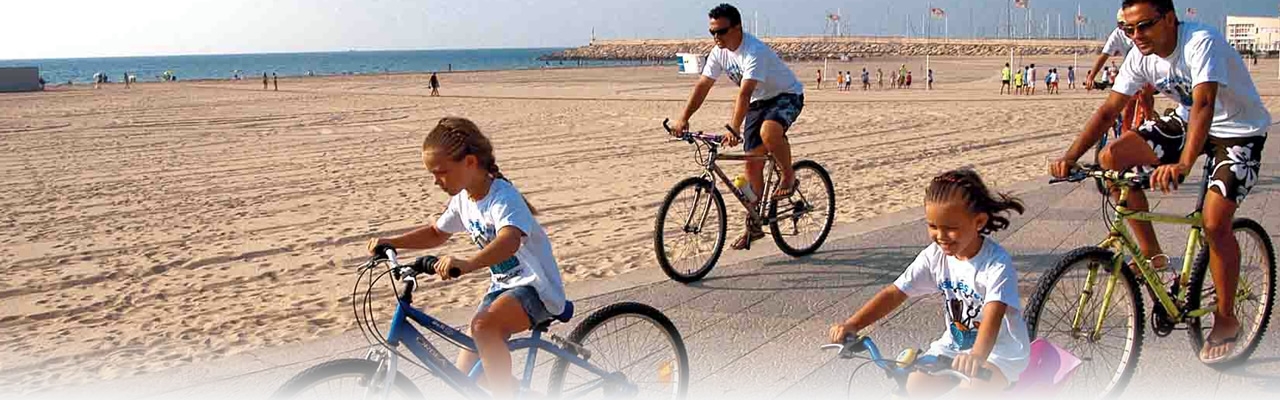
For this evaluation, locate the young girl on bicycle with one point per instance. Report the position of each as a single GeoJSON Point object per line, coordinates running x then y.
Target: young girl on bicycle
{"type": "Point", "coordinates": [525, 288]}
{"type": "Point", "coordinates": [975, 275]}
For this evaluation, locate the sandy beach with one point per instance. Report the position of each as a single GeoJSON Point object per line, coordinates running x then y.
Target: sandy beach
{"type": "Point", "coordinates": [169, 223]}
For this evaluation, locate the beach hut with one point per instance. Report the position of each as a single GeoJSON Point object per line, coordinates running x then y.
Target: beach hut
{"type": "Point", "coordinates": [20, 79]}
{"type": "Point", "coordinates": [690, 63]}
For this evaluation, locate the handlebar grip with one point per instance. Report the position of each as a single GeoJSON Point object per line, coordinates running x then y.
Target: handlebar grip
{"type": "Point", "coordinates": [427, 265]}
{"type": "Point", "coordinates": [381, 251]}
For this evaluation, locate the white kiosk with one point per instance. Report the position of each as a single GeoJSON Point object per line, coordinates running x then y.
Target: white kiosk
{"type": "Point", "coordinates": [690, 63]}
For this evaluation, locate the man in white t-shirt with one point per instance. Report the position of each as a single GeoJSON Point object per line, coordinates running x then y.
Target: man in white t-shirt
{"type": "Point", "coordinates": [769, 100]}
{"type": "Point", "coordinates": [1219, 114]}
{"type": "Point", "coordinates": [1118, 45]}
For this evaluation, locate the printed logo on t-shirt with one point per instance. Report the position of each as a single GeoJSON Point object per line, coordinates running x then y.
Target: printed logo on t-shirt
{"type": "Point", "coordinates": [735, 73]}
{"type": "Point", "coordinates": [1177, 88]}
{"type": "Point", "coordinates": [963, 306]}
{"type": "Point", "coordinates": [482, 235]}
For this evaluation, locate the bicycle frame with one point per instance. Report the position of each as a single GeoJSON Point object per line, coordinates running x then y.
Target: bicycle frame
{"type": "Point", "coordinates": [1122, 243]}
{"type": "Point", "coordinates": [403, 333]}
{"type": "Point", "coordinates": [714, 173]}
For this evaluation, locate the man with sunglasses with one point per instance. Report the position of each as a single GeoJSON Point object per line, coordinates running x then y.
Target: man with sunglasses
{"type": "Point", "coordinates": [1219, 114]}
{"type": "Point", "coordinates": [769, 100]}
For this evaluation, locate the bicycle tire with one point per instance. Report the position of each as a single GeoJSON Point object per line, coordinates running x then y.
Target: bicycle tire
{"type": "Point", "coordinates": [581, 335]}
{"type": "Point", "coordinates": [702, 188]}
{"type": "Point", "coordinates": [358, 367]}
{"type": "Point", "coordinates": [1196, 329]}
{"type": "Point", "coordinates": [1133, 339]}
{"type": "Point", "coordinates": [778, 230]}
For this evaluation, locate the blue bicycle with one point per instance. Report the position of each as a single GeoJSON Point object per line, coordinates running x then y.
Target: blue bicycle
{"type": "Point", "coordinates": [598, 359]}
{"type": "Point", "coordinates": [896, 369]}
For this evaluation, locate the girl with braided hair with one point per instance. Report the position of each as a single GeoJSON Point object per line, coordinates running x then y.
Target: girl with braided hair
{"type": "Point", "coordinates": [974, 274]}
{"type": "Point", "coordinates": [525, 287]}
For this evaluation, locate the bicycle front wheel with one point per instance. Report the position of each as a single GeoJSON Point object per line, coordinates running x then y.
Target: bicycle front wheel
{"type": "Point", "coordinates": [349, 378]}
{"type": "Point", "coordinates": [689, 233]}
{"type": "Point", "coordinates": [1255, 293]}
{"type": "Point", "coordinates": [800, 224]}
{"type": "Point", "coordinates": [1065, 311]}
{"type": "Point", "coordinates": [637, 345]}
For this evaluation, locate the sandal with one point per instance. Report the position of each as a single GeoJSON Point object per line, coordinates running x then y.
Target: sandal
{"type": "Point", "coordinates": [784, 193]}
{"type": "Point", "coordinates": [752, 234]}
{"type": "Point", "coordinates": [1210, 343]}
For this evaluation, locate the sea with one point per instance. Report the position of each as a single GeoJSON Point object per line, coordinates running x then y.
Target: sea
{"type": "Point", "coordinates": [249, 66]}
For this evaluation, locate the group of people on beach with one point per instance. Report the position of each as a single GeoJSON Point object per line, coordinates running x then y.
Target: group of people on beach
{"type": "Point", "coordinates": [898, 79]}
{"type": "Point", "coordinates": [1024, 80]}
{"type": "Point", "coordinates": [1219, 112]}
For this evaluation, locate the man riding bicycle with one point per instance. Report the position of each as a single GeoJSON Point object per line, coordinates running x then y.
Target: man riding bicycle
{"type": "Point", "coordinates": [1219, 113]}
{"type": "Point", "coordinates": [769, 100]}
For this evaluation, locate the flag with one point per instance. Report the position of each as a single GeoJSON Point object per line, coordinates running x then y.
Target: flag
{"type": "Point", "coordinates": [1021, 3]}
{"type": "Point", "coordinates": [1191, 13]}
{"type": "Point", "coordinates": [937, 13]}
{"type": "Point", "coordinates": [1081, 20]}
{"type": "Point", "coordinates": [833, 17]}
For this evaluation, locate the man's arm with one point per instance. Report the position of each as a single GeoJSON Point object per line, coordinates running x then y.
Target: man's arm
{"type": "Point", "coordinates": [1203, 97]}
{"type": "Point", "coordinates": [740, 106]}
{"type": "Point", "coordinates": [699, 95]}
{"type": "Point", "coordinates": [1103, 119]}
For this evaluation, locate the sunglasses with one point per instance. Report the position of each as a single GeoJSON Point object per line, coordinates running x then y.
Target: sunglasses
{"type": "Point", "coordinates": [720, 32]}
{"type": "Point", "coordinates": [1142, 26]}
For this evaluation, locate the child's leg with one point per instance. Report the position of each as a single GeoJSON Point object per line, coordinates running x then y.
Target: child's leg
{"type": "Point", "coordinates": [491, 328]}
{"type": "Point", "coordinates": [998, 382]}
{"type": "Point", "coordinates": [924, 386]}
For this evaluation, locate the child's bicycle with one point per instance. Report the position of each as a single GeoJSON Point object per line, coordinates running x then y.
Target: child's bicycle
{"type": "Point", "coordinates": [1089, 302]}
{"type": "Point", "coordinates": [690, 231]}
{"type": "Point", "coordinates": [596, 361]}
{"type": "Point", "coordinates": [897, 369]}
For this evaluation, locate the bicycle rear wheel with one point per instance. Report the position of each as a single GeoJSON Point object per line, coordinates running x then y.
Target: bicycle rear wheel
{"type": "Point", "coordinates": [1255, 295]}
{"type": "Point", "coordinates": [345, 379]}
{"type": "Point", "coordinates": [1110, 356]}
{"type": "Point", "coordinates": [637, 345]}
{"type": "Point", "coordinates": [689, 233]}
{"type": "Point", "coordinates": [800, 224]}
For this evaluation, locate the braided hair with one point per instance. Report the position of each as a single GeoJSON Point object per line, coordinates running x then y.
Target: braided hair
{"type": "Point", "coordinates": [458, 137]}
{"type": "Point", "coordinates": [968, 185]}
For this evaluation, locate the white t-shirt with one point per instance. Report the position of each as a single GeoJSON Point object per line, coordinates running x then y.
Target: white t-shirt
{"type": "Point", "coordinates": [1118, 44]}
{"type": "Point", "coordinates": [756, 61]}
{"type": "Point", "coordinates": [1202, 55]}
{"type": "Point", "coordinates": [1032, 73]}
{"type": "Point", "coordinates": [967, 287]}
{"type": "Point", "coordinates": [533, 265]}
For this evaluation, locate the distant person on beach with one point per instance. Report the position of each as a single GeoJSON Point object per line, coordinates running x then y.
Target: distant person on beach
{"type": "Point", "coordinates": [893, 79]}
{"type": "Point", "coordinates": [848, 80]}
{"type": "Point", "coordinates": [866, 80]}
{"type": "Point", "coordinates": [1017, 80]}
{"type": "Point", "coordinates": [1005, 77]}
{"type": "Point", "coordinates": [1071, 78]}
{"type": "Point", "coordinates": [275, 81]}
{"type": "Point", "coordinates": [929, 79]}
{"type": "Point", "coordinates": [908, 79]}
{"type": "Point", "coordinates": [524, 286]}
{"type": "Point", "coordinates": [839, 80]}
{"type": "Point", "coordinates": [1031, 79]}
{"type": "Point", "coordinates": [435, 85]}
{"type": "Point", "coordinates": [768, 102]}
{"type": "Point", "coordinates": [819, 78]}
{"type": "Point", "coordinates": [880, 77]}
{"type": "Point", "coordinates": [125, 80]}
{"type": "Point", "coordinates": [1118, 45]}
{"type": "Point", "coordinates": [264, 81]}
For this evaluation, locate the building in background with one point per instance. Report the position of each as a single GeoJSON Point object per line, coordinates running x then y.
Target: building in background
{"type": "Point", "coordinates": [1261, 34]}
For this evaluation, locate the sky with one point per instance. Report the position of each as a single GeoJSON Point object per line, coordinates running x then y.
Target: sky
{"type": "Point", "coordinates": [95, 28]}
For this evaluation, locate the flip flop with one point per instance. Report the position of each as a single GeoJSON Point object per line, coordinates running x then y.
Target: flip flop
{"type": "Point", "coordinates": [1209, 343]}
{"type": "Point", "coordinates": [744, 242]}
{"type": "Point", "coordinates": [785, 193]}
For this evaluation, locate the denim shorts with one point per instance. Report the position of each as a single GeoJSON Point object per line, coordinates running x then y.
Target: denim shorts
{"type": "Point", "coordinates": [528, 298]}
{"type": "Point", "coordinates": [783, 108]}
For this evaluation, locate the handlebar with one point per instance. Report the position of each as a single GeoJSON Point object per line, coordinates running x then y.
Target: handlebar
{"type": "Point", "coordinates": [421, 265]}
{"type": "Point", "coordinates": [1133, 179]}
{"type": "Point", "coordinates": [708, 138]}
{"type": "Point", "coordinates": [932, 365]}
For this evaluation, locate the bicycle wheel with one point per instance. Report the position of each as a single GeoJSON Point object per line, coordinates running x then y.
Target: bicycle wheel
{"type": "Point", "coordinates": [801, 223]}
{"type": "Point", "coordinates": [1108, 358]}
{"type": "Point", "coordinates": [1255, 294]}
{"type": "Point", "coordinates": [689, 233]}
{"type": "Point", "coordinates": [637, 345]}
{"type": "Point", "coordinates": [344, 379]}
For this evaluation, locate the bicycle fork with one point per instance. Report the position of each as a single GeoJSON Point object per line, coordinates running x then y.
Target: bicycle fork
{"type": "Point", "coordinates": [383, 379]}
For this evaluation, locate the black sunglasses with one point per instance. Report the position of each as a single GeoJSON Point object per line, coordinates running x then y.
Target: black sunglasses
{"type": "Point", "coordinates": [1141, 26]}
{"type": "Point", "coordinates": [721, 31]}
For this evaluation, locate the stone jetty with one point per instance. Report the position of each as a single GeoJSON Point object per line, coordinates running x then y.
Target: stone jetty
{"type": "Point", "coordinates": [818, 48]}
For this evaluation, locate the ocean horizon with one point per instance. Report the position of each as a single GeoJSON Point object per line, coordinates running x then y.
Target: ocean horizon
{"type": "Point", "coordinates": [251, 66]}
